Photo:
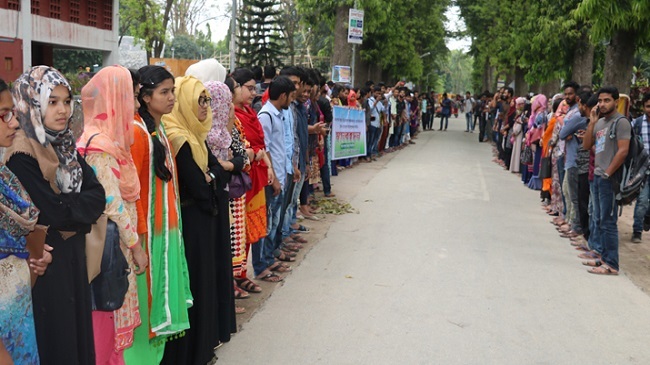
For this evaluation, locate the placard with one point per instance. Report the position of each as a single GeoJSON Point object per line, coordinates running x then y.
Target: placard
{"type": "Point", "coordinates": [348, 133]}
{"type": "Point", "coordinates": [355, 26]}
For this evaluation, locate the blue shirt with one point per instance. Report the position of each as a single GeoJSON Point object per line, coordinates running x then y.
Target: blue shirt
{"type": "Point", "coordinates": [302, 130]}
{"type": "Point", "coordinates": [573, 122]}
{"type": "Point", "coordinates": [289, 126]}
{"type": "Point", "coordinates": [272, 121]}
{"type": "Point", "coordinates": [375, 109]}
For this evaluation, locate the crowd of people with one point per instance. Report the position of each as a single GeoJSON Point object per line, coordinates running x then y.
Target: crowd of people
{"type": "Point", "coordinates": [571, 148]}
{"type": "Point", "coordinates": [193, 176]}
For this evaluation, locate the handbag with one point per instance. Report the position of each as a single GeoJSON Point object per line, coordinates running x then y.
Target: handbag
{"type": "Point", "coordinates": [109, 288]}
{"type": "Point", "coordinates": [546, 169]}
{"type": "Point", "coordinates": [239, 184]}
{"type": "Point", "coordinates": [95, 241]}
{"type": "Point", "coordinates": [527, 156]}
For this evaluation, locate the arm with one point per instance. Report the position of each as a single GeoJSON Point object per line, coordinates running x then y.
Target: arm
{"type": "Point", "coordinates": [140, 154]}
{"type": "Point", "coordinates": [570, 127]}
{"type": "Point", "coordinates": [619, 157]}
{"type": "Point", "coordinates": [588, 141]}
{"type": "Point", "coordinates": [65, 212]}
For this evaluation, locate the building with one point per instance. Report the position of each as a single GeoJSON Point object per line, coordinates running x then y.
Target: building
{"type": "Point", "coordinates": [31, 29]}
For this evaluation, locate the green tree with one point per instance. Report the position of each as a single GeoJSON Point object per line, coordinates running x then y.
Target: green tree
{"type": "Point", "coordinates": [260, 40]}
{"type": "Point", "coordinates": [146, 20]}
{"type": "Point", "coordinates": [69, 60]}
{"type": "Point", "coordinates": [625, 26]}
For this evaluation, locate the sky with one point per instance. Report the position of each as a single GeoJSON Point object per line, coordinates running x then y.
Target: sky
{"type": "Point", "coordinates": [220, 24]}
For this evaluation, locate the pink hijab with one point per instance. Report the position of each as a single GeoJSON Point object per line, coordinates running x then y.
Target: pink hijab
{"type": "Point", "coordinates": [539, 105]}
{"type": "Point", "coordinates": [219, 139]}
{"type": "Point", "coordinates": [108, 107]}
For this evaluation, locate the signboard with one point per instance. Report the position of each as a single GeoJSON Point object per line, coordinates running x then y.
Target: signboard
{"type": "Point", "coordinates": [348, 133]}
{"type": "Point", "coordinates": [355, 26]}
{"type": "Point", "coordinates": [341, 74]}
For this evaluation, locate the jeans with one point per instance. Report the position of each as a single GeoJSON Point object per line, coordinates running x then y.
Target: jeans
{"type": "Point", "coordinates": [444, 118]}
{"type": "Point", "coordinates": [468, 119]}
{"type": "Point", "coordinates": [263, 250]}
{"type": "Point", "coordinates": [605, 210]}
{"type": "Point", "coordinates": [374, 133]}
{"type": "Point", "coordinates": [571, 183]}
{"type": "Point", "coordinates": [641, 208]}
{"type": "Point", "coordinates": [292, 208]}
{"type": "Point", "coordinates": [594, 221]}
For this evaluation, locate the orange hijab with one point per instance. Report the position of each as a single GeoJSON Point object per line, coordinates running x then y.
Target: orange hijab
{"type": "Point", "coordinates": [108, 108]}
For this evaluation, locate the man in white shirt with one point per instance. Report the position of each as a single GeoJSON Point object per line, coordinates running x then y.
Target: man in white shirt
{"type": "Point", "coordinates": [468, 106]}
{"type": "Point", "coordinates": [374, 128]}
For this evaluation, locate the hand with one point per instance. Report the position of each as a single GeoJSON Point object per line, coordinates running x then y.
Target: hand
{"type": "Point", "coordinates": [140, 258]}
{"type": "Point", "coordinates": [208, 178]}
{"type": "Point", "coordinates": [259, 155]}
{"type": "Point", "coordinates": [581, 133]}
{"type": "Point", "coordinates": [39, 266]}
{"type": "Point", "coordinates": [593, 117]}
{"type": "Point", "coordinates": [276, 187]}
{"type": "Point", "coordinates": [319, 127]}
{"type": "Point", "coordinates": [251, 154]}
{"type": "Point", "coordinates": [296, 174]}
{"type": "Point", "coordinates": [227, 165]}
{"type": "Point", "coordinates": [271, 175]}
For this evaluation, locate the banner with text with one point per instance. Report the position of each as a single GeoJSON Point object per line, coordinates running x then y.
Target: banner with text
{"type": "Point", "coordinates": [348, 133]}
{"type": "Point", "coordinates": [355, 26]}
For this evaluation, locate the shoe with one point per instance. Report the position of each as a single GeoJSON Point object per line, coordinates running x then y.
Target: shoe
{"type": "Point", "coordinates": [646, 223]}
{"type": "Point", "coordinates": [636, 237]}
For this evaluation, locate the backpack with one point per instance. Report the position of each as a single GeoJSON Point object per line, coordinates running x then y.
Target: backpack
{"type": "Point", "coordinates": [630, 178]}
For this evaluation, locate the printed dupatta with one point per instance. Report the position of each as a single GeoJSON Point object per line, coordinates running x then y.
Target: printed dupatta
{"type": "Point", "coordinates": [167, 274]}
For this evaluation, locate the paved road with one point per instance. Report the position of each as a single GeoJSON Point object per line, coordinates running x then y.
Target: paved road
{"type": "Point", "coordinates": [450, 261]}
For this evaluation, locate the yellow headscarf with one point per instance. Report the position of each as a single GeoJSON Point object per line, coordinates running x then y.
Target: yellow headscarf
{"type": "Point", "coordinates": [182, 124]}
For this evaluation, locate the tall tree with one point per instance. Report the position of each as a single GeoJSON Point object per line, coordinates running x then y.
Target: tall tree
{"type": "Point", "coordinates": [260, 41]}
{"type": "Point", "coordinates": [146, 20]}
{"type": "Point", "coordinates": [625, 25]}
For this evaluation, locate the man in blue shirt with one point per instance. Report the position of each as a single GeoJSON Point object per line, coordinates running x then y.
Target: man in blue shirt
{"type": "Point", "coordinates": [573, 122]}
{"type": "Point", "coordinates": [642, 128]}
{"type": "Point", "coordinates": [281, 93]}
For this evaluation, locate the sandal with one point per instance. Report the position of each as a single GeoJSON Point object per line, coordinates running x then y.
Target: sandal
{"type": "Point", "coordinates": [249, 286]}
{"type": "Point", "coordinates": [603, 270]}
{"type": "Point", "coordinates": [589, 255]}
{"type": "Point", "coordinates": [270, 277]}
{"type": "Point", "coordinates": [301, 229]}
{"type": "Point", "coordinates": [288, 252]}
{"type": "Point", "coordinates": [241, 293]}
{"type": "Point", "coordinates": [280, 267]}
{"type": "Point", "coordinates": [284, 257]}
{"type": "Point", "coordinates": [592, 263]}
{"type": "Point", "coordinates": [288, 247]}
{"type": "Point", "coordinates": [240, 310]}
{"type": "Point", "coordinates": [298, 239]}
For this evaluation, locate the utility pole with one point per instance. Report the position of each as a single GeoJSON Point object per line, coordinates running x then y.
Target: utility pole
{"type": "Point", "coordinates": [233, 35]}
{"type": "Point", "coordinates": [354, 51]}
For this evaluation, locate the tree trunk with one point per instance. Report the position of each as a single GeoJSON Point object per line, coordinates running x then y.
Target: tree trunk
{"type": "Point", "coordinates": [521, 88]}
{"type": "Point", "coordinates": [487, 76]}
{"type": "Point", "coordinates": [510, 78]}
{"type": "Point", "coordinates": [583, 61]}
{"type": "Point", "coordinates": [550, 88]}
{"type": "Point", "coordinates": [619, 61]}
{"type": "Point", "coordinates": [343, 50]}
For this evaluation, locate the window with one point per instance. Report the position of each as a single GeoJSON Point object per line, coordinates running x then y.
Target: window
{"type": "Point", "coordinates": [75, 11]}
{"type": "Point", "coordinates": [55, 9]}
{"type": "Point", "coordinates": [92, 13]}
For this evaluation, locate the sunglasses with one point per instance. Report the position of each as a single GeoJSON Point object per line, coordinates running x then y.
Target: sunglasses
{"type": "Point", "coordinates": [204, 101]}
{"type": "Point", "coordinates": [7, 116]}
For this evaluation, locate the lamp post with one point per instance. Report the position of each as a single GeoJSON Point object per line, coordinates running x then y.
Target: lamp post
{"type": "Point", "coordinates": [172, 52]}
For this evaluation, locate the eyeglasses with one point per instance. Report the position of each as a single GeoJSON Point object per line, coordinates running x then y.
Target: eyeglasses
{"type": "Point", "coordinates": [250, 88]}
{"type": "Point", "coordinates": [7, 116]}
{"type": "Point", "coordinates": [204, 101]}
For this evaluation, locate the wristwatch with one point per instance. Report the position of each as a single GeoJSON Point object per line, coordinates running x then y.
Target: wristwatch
{"type": "Point", "coordinates": [211, 175]}
{"type": "Point", "coordinates": [605, 175]}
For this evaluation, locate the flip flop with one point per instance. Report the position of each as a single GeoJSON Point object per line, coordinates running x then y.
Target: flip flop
{"type": "Point", "coordinates": [592, 263]}
{"type": "Point", "coordinates": [302, 229]}
{"type": "Point", "coordinates": [589, 255]}
{"type": "Point", "coordinates": [603, 270]}
{"type": "Point", "coordinates": [247, 285]}
{"type": "Point", "coordinates": [271, 278]}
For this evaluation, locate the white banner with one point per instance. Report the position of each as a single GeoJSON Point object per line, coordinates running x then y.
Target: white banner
{"type": "Point", "coordinates": [355, 26]}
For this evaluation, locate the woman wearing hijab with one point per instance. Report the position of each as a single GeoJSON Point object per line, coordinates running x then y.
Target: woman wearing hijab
{"type": "Point", "coordinates": [536, 126]}
{"type": "Point", "coordinates": [517, 135]}
{"type": "Point", "coordinates": [164, 291]}
{"type": "Point", "coordinates": [202, 182]}
{"type": "Point", "coordinates": [64, 188]}
{"type": "Point", "coordinates": [226, 142]}
{"type": "Point", "coordinates": [557, 202]}
{"type": "Point", "coordinates": [18, 217]}
{"type": "Point", "coordinates": [352, 99]}
{"type": "Point", "coordinates": [108, 106]}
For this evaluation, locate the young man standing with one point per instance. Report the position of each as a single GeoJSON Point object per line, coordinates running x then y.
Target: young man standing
{"type": "Point", "coordinates": [271, 117]}
{"type": "Point", "coordinates": [468, 107]}
{"type": "Point", "coordinates": [445, 112]}
{"type": "Point", "coordinates": [610, 155]}
{"type": "Point", "coordinates": [642, 128]}
{"type": "Point", "coordinates": [374, 128]}
{"type": "Point", "coordinates": [573, 122]}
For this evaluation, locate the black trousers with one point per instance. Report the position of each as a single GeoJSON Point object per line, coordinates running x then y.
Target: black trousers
{"type": "Point", "coordinates": [481, 127]}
